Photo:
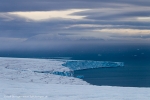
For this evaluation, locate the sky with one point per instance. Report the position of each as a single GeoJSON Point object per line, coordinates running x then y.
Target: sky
{"type": "Point", "coordinates": [55, 24]}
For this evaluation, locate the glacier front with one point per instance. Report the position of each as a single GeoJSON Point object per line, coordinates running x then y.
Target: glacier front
{"type": "Point", "coordinates": [59, 67]}
{"type": "Point", "coordinates": [84, 64]}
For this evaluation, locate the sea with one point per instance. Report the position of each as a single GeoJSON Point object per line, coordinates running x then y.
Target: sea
{"type": "Point", "coordinates": [136, 58]}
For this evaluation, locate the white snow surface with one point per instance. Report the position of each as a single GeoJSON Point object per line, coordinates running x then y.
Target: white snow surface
{"type": "Point", "coordinates": [22, 70]}
{"type": "Point", "coordinates": [33, 64]}
{"type": "Point", "coordinates": [26, 85]}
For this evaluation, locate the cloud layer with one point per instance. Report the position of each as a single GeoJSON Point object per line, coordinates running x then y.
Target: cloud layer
{"type": "Point", "coordinates": [73, 21]}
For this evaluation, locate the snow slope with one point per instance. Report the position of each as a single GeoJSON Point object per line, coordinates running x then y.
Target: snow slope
{"type": "Point", "coordinates": [18, 84]}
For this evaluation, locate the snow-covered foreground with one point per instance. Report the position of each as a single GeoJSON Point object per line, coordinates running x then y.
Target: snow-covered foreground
{"type": "Point", "coordinates": [12, 90]}
{"type": "Point", "coordinates": [18, 84]}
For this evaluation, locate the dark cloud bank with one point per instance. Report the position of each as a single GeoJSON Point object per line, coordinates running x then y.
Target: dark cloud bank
{"type": "Point", "coordinates": [67, 37]}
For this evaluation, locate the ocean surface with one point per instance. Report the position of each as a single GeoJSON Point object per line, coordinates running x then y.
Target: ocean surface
{"type": "Point", "coordinates": [135, 73]}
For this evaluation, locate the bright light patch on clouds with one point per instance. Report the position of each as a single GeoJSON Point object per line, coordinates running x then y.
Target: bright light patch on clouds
{"type": "Point", "coordinates": [125, 31]}
{"type": "Point", "coordinates": [143, 19]}
{"type": "Point", "coordinates": [5, 17]}
{"type": "Point", "coordinates": [44, 15]}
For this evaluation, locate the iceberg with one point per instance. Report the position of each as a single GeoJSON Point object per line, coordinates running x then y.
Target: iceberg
{"type": "Point", "coordinates": [84, 64]}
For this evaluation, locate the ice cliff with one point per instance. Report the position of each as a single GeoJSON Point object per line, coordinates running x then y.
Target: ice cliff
{"type": "Point", "coordinates": [84, 64]}
{"type": "Point", "coordinates": [51, 66]}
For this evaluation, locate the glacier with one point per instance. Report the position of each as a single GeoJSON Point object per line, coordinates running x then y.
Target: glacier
{"type": "Point", "coordinates": [29, 79]}
{"type": "Point", "coordinates": [80, 65]}
{"type": "Point", "coordinates": [47, 71]}
{"type": "Point", "coordinates": [54, 66]}
{"type": "Point", "coordinates": [85, 64]}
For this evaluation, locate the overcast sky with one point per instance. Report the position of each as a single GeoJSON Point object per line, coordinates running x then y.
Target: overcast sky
{"type": "Point", "coordinates": [53, 23]}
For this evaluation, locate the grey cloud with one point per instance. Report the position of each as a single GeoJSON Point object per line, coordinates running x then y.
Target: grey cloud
{"type": "Point", "coordinates": [100, 16]}
{"type": "Point", "coordinates": [40, 5]}
{"type": "Point", "coordinates": [21, 29]}
{"type": "Point", "coordinates": [132, 36]}
{"type": "Point", "coordinates": [51, 32]}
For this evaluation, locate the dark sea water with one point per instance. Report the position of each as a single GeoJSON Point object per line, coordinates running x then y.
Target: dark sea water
{"type": "Point", "coordinates": [135, 73]}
